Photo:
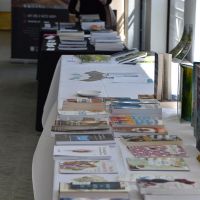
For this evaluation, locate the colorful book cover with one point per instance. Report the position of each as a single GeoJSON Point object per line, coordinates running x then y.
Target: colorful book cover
{"type": "Point", "coordinates": [148, 151]}
{"type": "Point", "coordinates": [178, 186]}
{"type": "Point", "coordinates": [151, 140]}
{"type": "Point", "coordinates": [157, 164]}
{"type": "Point", "coordinates": [158, 130]}
{"type": "Point", "coordinates": [87, 167]}
{"type": "Point", "coordinates": [134, 121]}
{"type": "Point", "coordinates": [86, 123]}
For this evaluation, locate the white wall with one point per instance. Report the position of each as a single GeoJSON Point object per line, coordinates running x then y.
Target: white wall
{"type": "Point", "coordinates": [5, 5]}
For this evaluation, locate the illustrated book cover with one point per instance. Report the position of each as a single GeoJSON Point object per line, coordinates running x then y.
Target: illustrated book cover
{"type": "Point", "coordinates": [157, 164]}
{"type": "Point", "coordinates": [151, 140]}
{"type": "Point", "coordinates": [86, 123]}
{"type": "Point", "coordinates": [87, 167]}
{"type": "Point", "coordinates": [134, 121]}
{"type": "Point", "coordinates": [138, 131]}
{"type": "Point", "coordinates": [179, 186]}
{"type": "Point", "coordinates": [157, 151]}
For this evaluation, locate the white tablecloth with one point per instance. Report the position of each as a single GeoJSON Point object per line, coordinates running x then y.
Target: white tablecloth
{"type": "Point", "coordinates": [63, 87]}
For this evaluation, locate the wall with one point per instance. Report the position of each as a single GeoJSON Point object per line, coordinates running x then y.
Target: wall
{"type": "Point", "coordinates": [5, 5]}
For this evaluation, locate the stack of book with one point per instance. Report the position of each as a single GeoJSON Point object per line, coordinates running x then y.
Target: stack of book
{"type": "Point", "coordinates": [91, 22]}
{"type": "Point", "coordinates": [106, 40]}
{"type": "Point", "coordinates": [88, 132]}
{"type": "Point", "coordinates": [71, 39]}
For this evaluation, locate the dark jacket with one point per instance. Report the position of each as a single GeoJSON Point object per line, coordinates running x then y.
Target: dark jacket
{"type": "Point", "coordinates": [89, 7]}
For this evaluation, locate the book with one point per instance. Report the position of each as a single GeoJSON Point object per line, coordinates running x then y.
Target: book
{"type": "Point", "coordinates": [157, 164]}
{"type": "Point", "coordinates": [151, 140]}
{"type": "Point", "coordinates": [86, 123]}
{"type": "Point", "coordinates": [153, 151]}
{"type": "Point", "coordinates": [76, 152]}
{"type": "Point", "coordinates": [139, 131]}
{"type": "Point", "coordinates": [179, 186]}
{"type": "Point", "coordinates": [84, 139]}
{"type": "Point", "coordinates": [134, 121]}
{"type": "Point", "coordinates": [131, 56]}
{"type": "Point", "coordinates": [87, 167]}
{"type": "Point", "coordinates": [175, 196]}
{"type": "Point", "coordinates": [139, 109]}
{"type": "Point", "coordinates": [93, 58]}
{"type": "Point", "coordinates": [82, 109]}
{"type": "Point", "coordinates": [93, 189]}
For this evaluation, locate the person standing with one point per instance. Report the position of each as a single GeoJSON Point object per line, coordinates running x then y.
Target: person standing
{"type": "Point", "coordinates": [100, 7]}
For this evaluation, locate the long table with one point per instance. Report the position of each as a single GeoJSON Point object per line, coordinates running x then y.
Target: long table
{"type": "Point", "coordinates": [47, 60]}
{"type": "Point", "coordinates": [69, 77]}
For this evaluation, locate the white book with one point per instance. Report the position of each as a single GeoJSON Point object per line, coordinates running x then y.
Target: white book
{"type": "Point", "coordinates": [169, 196]}
{"type": "Point", "coordinates": [168, 187]}
{"type": "Point", "coordinates": [76, 152]}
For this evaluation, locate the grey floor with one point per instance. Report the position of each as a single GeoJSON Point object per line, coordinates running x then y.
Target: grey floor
{"type": "Point", "coordinates": [18, 137]}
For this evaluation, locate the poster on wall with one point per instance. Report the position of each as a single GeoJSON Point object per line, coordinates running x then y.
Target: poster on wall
{"type": "Point", "coordinates": [27, 19]}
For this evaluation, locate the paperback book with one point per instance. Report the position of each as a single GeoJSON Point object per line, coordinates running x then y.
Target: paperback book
{"type": "Point", "coordinates": [139, 131]}
{"type": "Point", "coordinates": [84, 139]}
{"type": "Point", "coordinates": [179, 186]}
{"type": "Point", "coordinates": [87, 167]}
{"type": "Point", "coordinates": [82, 109]}
{"type": "Point", "coordinates": [134, 121]}
{"type": "Point", "coordinates": [153, 151]}
{"type": "Point", "coordinates": [86, 123]}
{"type": "Point", "coordinates": [157, 164]}
{"type": "Point", "coordinates": [76, 152]}
{"type": "Point", "coordinates": [151, 140]}
{"type": "Point", "coordinates": [139, 109]}
{"type": "Point", "coordinates": [93, 189]}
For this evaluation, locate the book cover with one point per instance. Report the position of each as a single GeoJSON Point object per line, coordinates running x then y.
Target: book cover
{"type": "Point", "coordinates": [139, 109]}
{"type": "Point", "coordinates": [151, 140]}
{"type": "Point", "coordinates": [83, 139]}
{"type": "Point", "coordinates": [93, 189]}
{"type": "Point", "coordinates": [136, 131]}
{"type": "Point", "coordinates": [87, 167]}
{"type": "Point", "coordinates": [81, 152]}
{"type": "Point", "coordinates": [86, 123]}
{"type": "Point", "coordinates": [179, 186]}
{"type": "Point", "coordinates": [148, 151]}
{"type": "Point", "coordinates": [134, 121]}
{"type": "Point", "coordinates": [82, 109]}
{"type": "Point", "coordinates": [175, 196]}
{"type": "Point", "coordinates": [157, 164]}
{"type": "Point", "coordinates": [96, 58]}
